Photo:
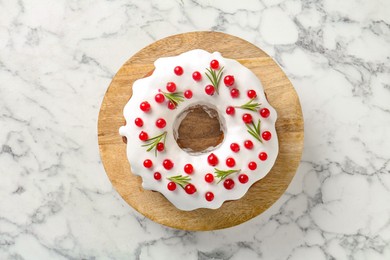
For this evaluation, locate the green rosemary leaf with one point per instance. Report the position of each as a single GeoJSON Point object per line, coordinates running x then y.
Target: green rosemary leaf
{"type": "Point", "coordinates": [214, 77]}
{"type": "Point", "coordinates": [219, 75]}
{"type": "Point", "coordinates": [151, 147]}
{"type": "Point", "coordinates": [153, 138]}
{"type": "Point", "coordinates": [180, 180]}
{"type": "Point", "coordinates": [209, 76]}
{"type": "Point", "coordinates": [254, 130]}
{"type": "Point", "coordinates": [221, 174]}
{"type": "Point", "coordinates": [254, 135]}
{"type": "Point", "coordinates": [250, 105]}
{"type": "Point", "coordinates": [151, 143]}
{"type": "Point", "coordinates": [258, 128]}
{"type": "Point", "coordinates": [176, 97]}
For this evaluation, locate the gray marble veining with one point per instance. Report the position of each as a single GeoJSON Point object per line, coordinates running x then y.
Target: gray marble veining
{"type": "Point", "coordinates": [56, 61]}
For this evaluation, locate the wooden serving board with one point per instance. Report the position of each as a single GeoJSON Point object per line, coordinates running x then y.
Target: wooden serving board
{"type": "Point", "coordinates": [262, 194]}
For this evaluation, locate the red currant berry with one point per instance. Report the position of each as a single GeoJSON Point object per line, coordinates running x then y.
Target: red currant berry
{"type": "Point", "coordinates": [171, 106]}
{"type": "Point", "coordinates": [143, 136]}
{"type": "Point", "coordinates": [178, 70]}
{"type": "Point", "coordinates": [251, 93]}
{"type": "Point", "coordinates": [209, 196]}
{"type": "Point", "coordinates": [160, 146]}
{"type": "Point", "coordinates": [196, 76]}
{"type": "Point", "coordinates": [230, 110]}
{"type": "Point", "coordinates": [209, 178]}
{"type": "Point", "coordinates": [171, 186]}
{"type": "Point", "coordinates": [157, 176]}
{"type": "Point", "coordinates": [252, 166]}
{"type": "Point", "coordinates": [188, 94]}
{"type": "Point", "coordinates": [161, 123]}
{"type": "Point", "coordinates": [209, 89]}
{"type": "Point", "coordinates": [168, 164]}
{"type": "Point", "coordinates": [230, 162]}
{"type": "Point", "coordinates": [266, 135]}
{"type": "Point", "coordinates": [171, 86]}
{"type": "Point", "coordinates": [234, 93]}
{"type": "Point", "coordinates": [228, 184]}
{"type": "Point", "coordinates": [188, 168]}
{"type": "Point", "coordinates": [159, 98]}
{"type": "Point", "coordinates": [148, 163]}
{"type": "Point", "coordinates": [248, 144]}
{"type": "Point", "coordinates": [212, 159]}
{"type": "Point", "coordinates": [190, 188]}
{"type": "Point", "coordinates": [263, 156]}
{"type": "Point", "coordinates": [138, 122]}
{"type": "Point", "coordinates": [264, 112]}
{"type": "Point", "coordinates": [235, 147]}
{"type": "Point", "coordinates": [243, 178]}
{"type": "Point", "coordinates": [228, 80]}
{"type": "Point", "coordinates": [214, 64]}
{"type": "Point", "coordinates": [247, 118]}
{"type": "Point", "coordinates": [145, 106]}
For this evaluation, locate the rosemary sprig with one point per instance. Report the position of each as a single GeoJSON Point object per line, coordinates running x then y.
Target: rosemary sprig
{"type": "Point", "coordinates": [214, 77]}
{"type": "Point", "coordinates": [250, 105]}
{"type": "Point", "coordinates": [151, 143]}
{"type": "Point", "coordinates": [254, 130]}
{"type": "Point", "coordinates": [223, 174]}
{"type": "Point", "coordinates": [180, 180]}
{"type": "Point", "coordinates": [176, 97]}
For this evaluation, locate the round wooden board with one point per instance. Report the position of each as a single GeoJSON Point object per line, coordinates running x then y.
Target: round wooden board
{"type": "Point", "coordinates": [262, 194]}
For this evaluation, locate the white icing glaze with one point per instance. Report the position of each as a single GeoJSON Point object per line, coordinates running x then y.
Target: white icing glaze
{"type": "Point", "coordinates": [235, 130]}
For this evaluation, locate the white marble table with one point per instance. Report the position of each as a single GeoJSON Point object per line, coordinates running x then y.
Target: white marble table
{"type": "Point", "coordinates": [56, 61]}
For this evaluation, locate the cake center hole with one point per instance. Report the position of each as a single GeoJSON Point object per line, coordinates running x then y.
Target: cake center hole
{"type": "Point", "coordinates": [199, 129]}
